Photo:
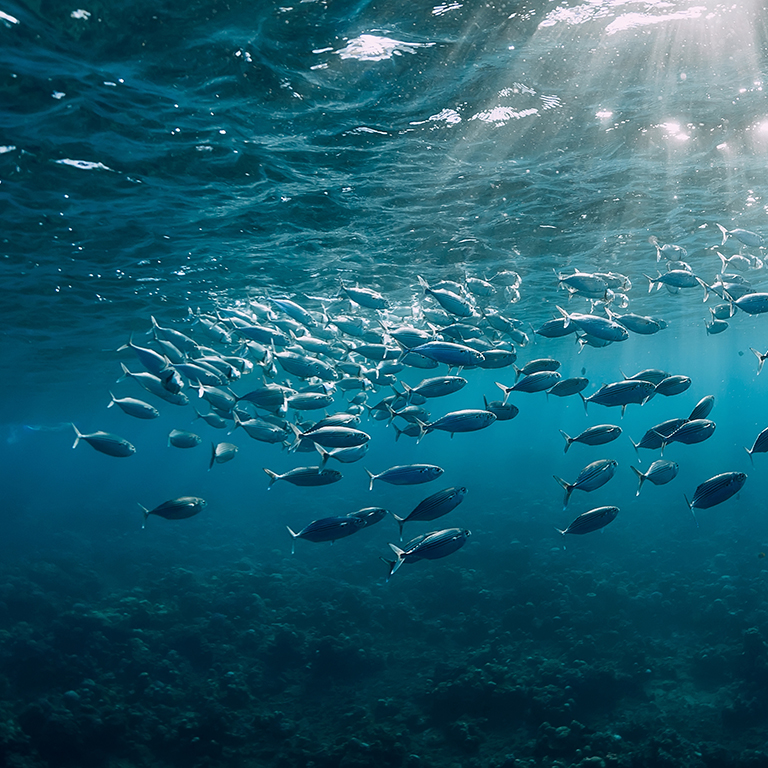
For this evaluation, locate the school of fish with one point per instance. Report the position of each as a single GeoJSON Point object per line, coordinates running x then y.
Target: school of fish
{"type": "Point", "coordinates": [348, 356]}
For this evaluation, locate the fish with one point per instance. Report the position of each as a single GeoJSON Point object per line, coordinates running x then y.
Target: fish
{"type": "Point", "coordinates": [437, 386]}
{"type": "Point", "coordinates": [654, 375]}
{"type": "Point", "coordinates": [305, 366]}
{"type": "Point", "coordinates": [655, 436]}
{"type": "Point", "coordinates": [152, 361]}
{"type": "Point", "coordinates": [406, 474]}
{"type": "Point", "coordinates": [467, 420]}
{"type": "Point", "coordinates": [621, 393]}
{"type": "Point", "coordinates": [176, 509]}
{"type": "Point", "coordinates": [759, 446]}
{"type": "Point", "coordinates": [365, 297]}
{"type": "Point", "coordinates": [715, 491]}
{"type": "Point", "coordinates": [335, 436]}
{"type": "Point", "coordinates": [220, 399]}
{"type": "Point", "coordinates": [591, 521]}
{"type": "Point", "coordinates": [496, 358]}
{"type": "Point", "coordinates": [153, 384]}
{"type": "Point", "coordinates": [411, 429]}
{"type": "Point", "coordinates": [744, 236]}
{"type": "Point", "coordinates": [221, 453]}
{"type": "Point", "coordinates": [555, 328]}
{"type": "Point", "coordinates": [305, 476]}
{"type": "Point", "coordinates": [434, 506]}
{"type": "Point", "coordinates": [540, 381]}
{"type": "Point", "coordinates": [327, 529]}
{"type": "Point", "coordinates": [133, 407]}
{"type": "Point", "coordinates": [672, 385]}
{"type": "Point", "coordinates": [296, 311]}
{"type": "Point", "coordinates": [429, 546]}
{"type": "Point", "coordinates": [668, 251]}
{"type": "Point", "coordinates": [715, 326]}
{"type": "Point", "coordinates": [640, 324]}
{"type": "Point", "coordinates": [690, 433]}
{"type": "Point", "coordinates": [344, 455]}
{"type": "Point", "coordinates": [592, 477]}
{"type": "Point", "coordinates": [502, 411]}
{"type": "Point", "coordinates": [261, 430]}
{"type": "Point", "coordinates": [369, 515]}
{"type": "Point", "coordinates": [597, 435]}
{"type": "Point", "coordinates": [453, 355]}
{"type": "Point", "coordinates": [568, 387]}
{"type": "Point", "coordinates": [599, 327]}
{"type": "Point", "coordinates": [534, 366]}
{"type": "Point", "coordinates": [677, 278]}
{"type": "Point", "coordinates": [584, 283]}
{"type": "Point", "coordinates": [309, 401]}
{"type": "Point", "coordinates": [181, 439]}
{"type": "Point", "coordinates": [753, 303]}
{"type": "Point", "coordinates": [104, 442]}
{"type": "Point", "coordinates": [659, 473]}
{"type": "Point", "coordinates": [703, 408]}
{"type": "Point", "coordinates": [177, 338]}
{"type": "Point", "coordinates": [448, 300]}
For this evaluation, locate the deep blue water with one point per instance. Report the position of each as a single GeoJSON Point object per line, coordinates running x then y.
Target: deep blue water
{"type": "Point", "coordinates": [171, 159]}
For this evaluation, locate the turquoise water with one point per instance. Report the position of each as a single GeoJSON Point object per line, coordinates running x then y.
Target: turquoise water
{"type": "Point", "coordinates": [175, 160]}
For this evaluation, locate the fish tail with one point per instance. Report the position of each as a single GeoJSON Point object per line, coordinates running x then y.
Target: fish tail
{"type": "Point", "coordinates": [373, 477]}
{"type": "Point", "coordinates": [651, 281]}
{"type": "Point", "coordinates": [400, 524]}
{"type": "Point", "coordinates": [760, 359]}
{"type": "Point", "coordinates": [584, 400]}
{"type": "Point", "coordinates": [725, 233]}
{"type": "Point", "coordinates": [568, 489]}
{"type": "Point", "coordinates": [78, 435]}
{"type": "Point", "coordinates": [294, 536]}
{"type": "Point", "coordinates": [505, 389]}
{"type": "Point", "coordinates": [112, 401]}
{"type": "Point", "coordinates": [565, 315]}
{"type": "Point", "coordinates": [752, 461]}
{"type": "Point", "coordinates": [423, 283]}
{"type": "Point", "coordinates": [273, 477]}
{"type": "Point", "coordinates": [640, 477]}
{"type": "Point", "coordinates": [146, 516]}
{"type": "Point", "coordinates": [635, 446]}
{"type": "Point", "coordinates": [213, 456]}
{"type": "Point", "coordinates": [561, 531]}
{"type": "Point", "coordinates": [393, 565]}
{"type": "Point", "coordinates": [568, 441]}
{"type": "Point", "coordinates": [297, 432]}
{"type": "Point", "coordinates": [126, 373]}
{"type": "Point", "coordinates": [398, 432]}
{"type": "Point", "coordinates": [690, 506]}
{"type": "Point", "coordinates": [325, 455]}
{"type": "Point", "coordinates": [423, 429]}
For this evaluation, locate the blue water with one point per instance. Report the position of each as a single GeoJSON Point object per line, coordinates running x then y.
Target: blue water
{"type": "Point", "coordinates": [172, 159]}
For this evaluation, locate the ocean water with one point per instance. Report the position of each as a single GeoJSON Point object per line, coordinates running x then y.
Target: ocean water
{"type": "Point", "coordinates": [179, 160]}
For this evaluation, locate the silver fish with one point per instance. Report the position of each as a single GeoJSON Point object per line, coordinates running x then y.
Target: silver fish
{"type": "Point", "coordinates": [655, 436]}
{"type": "Point", "coordinates": [502, 411]}
{"type": "Point", "coordinates": [365, 297]}
{"type": "Point", "coordinates": [430, 546]}
{"type": "Point", "coordinates": [761, 358]}
{"type": "Point", "coordinates": [344, 455]}
{"type": "Point", "coordinates": [703, 408]}
{"type": "Point", "coordinates": [672, 385]}
{"type": "Point", "coordinates": [744, 236]}
{"type": "Point", "coordinates": [622, 393]}
{"type": "Point", "coordinates": [434, 506]}
{"type": "Point", "coordinates": [406, 474]}
{"type": "Point", "coordinates": [591, 521]}
{"type": "Point", "coordinates": [133, 407]}
{"type": "Point", "coordinates": [759, 446]}
{"type": "Point", "coordinates": [261, 430]}
{"type": "Point", "coordinates": [104, 442]}
{"type": "Point", "coordinates": [593, 476]}
{"type": "Point", "coordinates": [296, 311]}
{"type": "Point", "coordinates": [221, 453]}
{"type": "Point", "coordinates": [369, 515]}
{"type": "Point", "coordinates": [690, 433]}
{"type": "Point", "coordinates": [753, 303]}
{"type": "Point", "coordinates": [453, 355]}
{"type": "Point", "coordinates": [305, 476]}
{"type": "Point", "coordinates": [448, 300]}
{"type": "Point", "coordinates": [181, 439]}
{"type": "Point", "coordinates": [659, 473]}
{"type": "Point", "coordinates": [534, 382]}
{"type": "Point", "coordinates": [534, 366]}
{"type": "Point", "coordinates": [438, 386]}
{"type": "Point", "coordinates": [599, 327]}
{"type": "Point", "coordinates": [467, 420]}
{"type": "Point", "coordinates": [597, 435]}
{"type": "Point", "coordinates": [654, 375]}
{"type": "Point", "coordinates": [668, 251]}
{"type": "Point", "coordinates": [716, 490]}
{"type": "Point", "coordinates": [493, 359]}
{"type": "Point", "coordinates": [640, 324]}
{"type": "Point", "coordinates": [176, 509]}
{"type": "Point", "coordinates": [327, 529]}
{"type": "Point", "coordinates": [333, 436]}
{"type": "Point", "coordinates": [584, 283]}
{"type": "Point", "coordinates": [556, 328]}
{"type": "Point", "coordinates": [568, 387]}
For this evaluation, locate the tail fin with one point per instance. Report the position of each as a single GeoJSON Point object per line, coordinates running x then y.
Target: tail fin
{"type": "Point", "coordinates": [760, 359]}
{"type": "Point", "coordinates": [640, 477]}
{"type": "Point", "coordinates": [568, 441]}
{"type": "Point", "coordinates": [146, 515]}
{"type": "Point", "coordinates": [325, 455]}
{"type": "Point", "coordinates": [112, 401]}
{"type": "Point", "coordinates": [725, 233]}
{"type": "Point", "coordinates": [273, 477]}
{"type": "Point", "coordinates": [400, 522]}
{"type": "Point", "coordinates": [373, 477]}
{"type": "Point", "coordinates": [635, 446]}
{"type": "Point", "coordinates": [398, 432]}
{"type": "Point", "coordinates": [690, 504]}
{"type": "Point", "coordinates": [568, 489]}
{"type": "Point", "coordinates": [505, 389]}
{"type": "Point", "coordinates": [584, 400]}
{"type": "Point", "coordinates": [393, 566]}
{"type": "Point", "coordinates": [752, 461]}
{"type": "Point", "coordinates": [294, 536]}
{"type": "Point", "coordinates": [126, 373]}
{"type": "Point", "coordinates": [78, 436]}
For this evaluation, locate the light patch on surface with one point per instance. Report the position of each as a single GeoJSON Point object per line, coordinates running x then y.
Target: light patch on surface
{"type": "Point", "coordinates": [84, 165]}
{"type": "Point", "coordinates": [449, 116]}
{"type": "Point", "coordinates": [635, 20]}
{"type": "Point", "coordinates": [502, 115]}
{"type": "Point", "coordinates": [439, 10]}
{"type": "Point", "coordinates": [7, 148]}
{"type": "Point", "coordinates": [8, 18]}
{"type": "Point", "coordinates": [376, 48]}
{"type": "Point", "coordinates": [81, 14]}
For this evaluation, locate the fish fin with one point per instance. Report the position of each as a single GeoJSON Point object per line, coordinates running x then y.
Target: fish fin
{"type": "Point", "coordinates": [640, 477]}
{"type": "Point", "coordinates": [725, 233]}
{"type": "Point", "coordinates": [125, 375]}
{"type": "Point", "coordinates": [112, 401]}
{"type": "Point", "coordinates": [213, 456]}
{"type": "Point", "coordinates": [78, 435]}
{"type": "Point", "coordinates": [584, 400]}
{"type": "Point", "coordinates": [273, 477]}
{"type": "Point", "coordinates": [690, 506]}
{"type": "Point", "coordinates": [294, 536]}
{"type": "Point", "coordinates": [423, 283]}
{"type": "Point", "coordinates": [561, 531]}
{"type": "Point", "coordinates": [400, 523]}
{"type": "Point", "coordinates": [623, 409]}
{"type": "Point", "coordinates": [146, 515]}
{"type": "Point", "coordinates": [392, 566]}
{"type": "Point", "coordinates": [323, 453]}
{"type": "Point", "coordinates": [373, 477]}
{"type": "Point", "coordinates": [505, 389]}
{"type": "Point", "coordinates": [565, 315]}
{"type": "Point", "coordinates": [752, 461]}
{"type": "Point", "coordinates": [568, 489]}
{"type": "Point", "coordinates": [635, 446]}
{"type": "Point", "coordinates": [760, 359]}
{"type": "Point", "coordinates": [398, 432]}
{"type": "Point", "coordinates": [396, 549]}
{"type": "Point", "coordinates": [568, 441]}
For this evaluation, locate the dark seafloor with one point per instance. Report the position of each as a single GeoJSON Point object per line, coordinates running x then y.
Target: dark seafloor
{"type": "Point", "coordinates": [173, 159]}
